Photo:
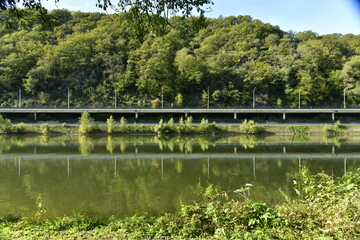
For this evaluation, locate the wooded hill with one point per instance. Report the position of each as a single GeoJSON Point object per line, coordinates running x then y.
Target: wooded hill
{"type": "Point", "coordinates": [95, 55]}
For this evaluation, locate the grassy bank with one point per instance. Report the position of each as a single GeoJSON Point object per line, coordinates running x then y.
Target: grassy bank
{"type": "Point", "coordinates": [86, 125]}
{"type": "Point", "coordinates": [325, 208]}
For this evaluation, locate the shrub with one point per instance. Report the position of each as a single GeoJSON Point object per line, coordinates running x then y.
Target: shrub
{"type": "Point", "coordinates": [185, 126]}
{"type": "Point", "coordinates": [179, 100]}
{"type": "Point", "coordinates": [19, 128]}
{"type": "Point", "coordinates": [250, 127]}
{"type": "Point", "coordinates": [337, 128]}
{"type": "Point", "coordinates": [45, 128]}
{"type": "Point", "coordinates": [206, 127]}
{"type": "Point", "coordinates": [123, 127]}
{"type": "Point", "coordinates": [5, 125]}
{"type": "Point", "coordinates": [86, 123]}
{"type": "Point", "coordinates": [110, 124]}
{"type": "Point", "coordinates": [165, 128]}
{"type": "Point", "coordinates": [155, 103]}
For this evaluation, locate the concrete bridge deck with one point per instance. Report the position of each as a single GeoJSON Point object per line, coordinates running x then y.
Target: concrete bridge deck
{"type": "Point", "coordinates": [186, 111]}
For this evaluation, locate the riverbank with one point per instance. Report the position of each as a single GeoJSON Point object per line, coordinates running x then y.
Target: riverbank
{"type": "Point", "coordinates": [207, 129]}
{"type": "Point", "coordinates": [325, 208]}
{"type": "Point", "coordinates": [87, 125]}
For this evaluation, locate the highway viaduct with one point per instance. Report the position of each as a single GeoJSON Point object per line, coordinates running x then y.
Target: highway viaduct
{"type": "Point", "coordinates": [185, 111]}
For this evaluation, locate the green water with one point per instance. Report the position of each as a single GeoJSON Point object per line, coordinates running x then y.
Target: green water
{"type": "Point", "coordinates": [122, 176]}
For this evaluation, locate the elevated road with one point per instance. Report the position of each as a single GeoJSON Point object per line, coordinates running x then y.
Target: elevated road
{"type": "Point", "coordinates": [185, 111]}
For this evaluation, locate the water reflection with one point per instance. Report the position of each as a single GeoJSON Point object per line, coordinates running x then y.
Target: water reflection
{"type": "Point", "coordinates": [106, 176]}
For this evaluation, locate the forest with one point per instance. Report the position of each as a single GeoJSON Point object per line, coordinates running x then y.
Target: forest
{"type": "Point", "coordinates": [97, 59]}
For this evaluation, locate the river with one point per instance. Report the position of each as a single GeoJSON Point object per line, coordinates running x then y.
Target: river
{"type": "Point", "coordinates": [126, 175]}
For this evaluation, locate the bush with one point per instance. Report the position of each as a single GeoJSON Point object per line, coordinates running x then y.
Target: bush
{"type": "Point", "coordinates": [165, 128]}
{"type": "Point", "coordinates": [185, 126]}
{"type": "Point", "coordinates": [123, 127]}
{"type": "Point", "coordinates": [110, 124]}
{"type": "Point", "coordinates": [86, 123]}
{"type": "Point", "coordinates": [155, 103]}
{"type": "Point", "coordinates": [45, 128]}
{"type": "Point", "coordinates": [250, 127]}
{"type": "Point", "coordinates": [335, 129]}
{"type": "Point", "coordinates": [5, 125]}
{"type": "Point", "coordinates": [19, 128]}
{"type": "Point", "coordinates": [207, 128]}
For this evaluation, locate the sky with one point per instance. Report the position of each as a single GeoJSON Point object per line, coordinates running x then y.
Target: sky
{"type": "Point", "coordinates": [320, 16]}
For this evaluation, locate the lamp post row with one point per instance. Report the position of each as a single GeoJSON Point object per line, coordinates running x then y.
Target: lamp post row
{"type": "Point", "coordinates": [162, 98]}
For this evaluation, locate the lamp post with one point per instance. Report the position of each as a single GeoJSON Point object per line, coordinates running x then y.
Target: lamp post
{"type": "Point", "coordinates": [299, 99]}
{"type": "Point", "coordinates": [208, 97]}
{"type": "Point", "coordinates": [344, 97]}
{"type": "Point", "coordinates": [254, 97]}
{"type": "Point", "coordinates": [162, 97]}
{"type": "Point", "coordinates": [19, 97]}
{"type": "Point", "coordinates": [115, 100]}
{"type": "Point", "coordinates": [68, 97]}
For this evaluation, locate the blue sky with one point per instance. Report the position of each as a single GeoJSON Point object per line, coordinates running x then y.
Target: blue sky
{"type": "Point", "coordinates": [321, 16]}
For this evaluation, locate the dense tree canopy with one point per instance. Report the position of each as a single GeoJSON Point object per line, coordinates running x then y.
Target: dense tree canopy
{"type": "Point", "coordinates": [96, 55]}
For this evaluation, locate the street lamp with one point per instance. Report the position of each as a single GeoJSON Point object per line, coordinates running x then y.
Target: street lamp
{"type": "Point", "coordinates": [344, 97]}
{"type": "Point", "coordinates": [254, 97]}
{"type": "Point", "coordinates": [162, 97]}
{"type": "Point", "coordinates": [299, 99]}
{"type": "Point", "coordinates": [68, 97]}
{"type": "Point", "coordinates": [19, 97]}
{"type": "Point", "coordinates": [208, 98]}
{"type": "Point", "coordinates": [115, 100]}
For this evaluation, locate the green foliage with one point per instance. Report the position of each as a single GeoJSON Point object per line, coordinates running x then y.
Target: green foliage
{"type": "Point", "coordinates": [155, 103]}
{"type": "Point", "coordinates": [165, 127]}
{"type": "Point", "coordinates": [299, 129]}
{"type": "Point", "coordinates": [19, 128]}
{"type": "Point", "coordinates": [45, 128]}
{"type": "Point", "coordinates": [86, 123]}
{"type": "Point", "coordinates": [5, 125]}
{"type": "Point", "coordinates": [77, 223]}
{"type": "Point", "coordinates": [41, 210]}
{"type": "Point", "coordinates": [9, 218]}
{"type": "Point", "coordinates": [207, 128]}
{"type": "Point", "coordinates": [250, 127]}
{"type": "Point", "coordinates": [123, 126]}
{"type": "Point", "coordinates": [110, 124]}
{"type": "Point", "coordinates": [179, 100]}
{"type": "Point", "coordinates": [185, 127]}
{"type": "Point", "coordinates": [335, 129]}
{"type": "Point", "coordinates": [78, 56]}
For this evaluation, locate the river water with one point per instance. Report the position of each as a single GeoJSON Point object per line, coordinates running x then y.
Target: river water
{"type": "Point", "coordinates": [123, 176]}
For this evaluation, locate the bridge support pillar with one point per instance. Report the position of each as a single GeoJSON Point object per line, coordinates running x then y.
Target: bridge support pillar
{"type": "Point", "coordinates": [186, 115]}
{"type": "Point", "coordinates": [235, 115]}
{"type": "Point", "coordinates": [35, 116]}
{"type": "Point", "coordinates": [136, 115]}
{"type": "Point", "coordinates": [333, 116]}
{"type": "Point", "coordinates": [284, 115]}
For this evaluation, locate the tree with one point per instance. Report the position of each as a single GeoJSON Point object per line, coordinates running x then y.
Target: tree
{"type": "Point", "coordinates": [148, 12]}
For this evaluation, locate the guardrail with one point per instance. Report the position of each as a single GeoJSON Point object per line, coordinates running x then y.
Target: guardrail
{"type": "Point", "coordinates": [185, 110]}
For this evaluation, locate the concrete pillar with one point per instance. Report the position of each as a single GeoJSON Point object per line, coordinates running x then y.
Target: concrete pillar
{"type": "Point", "coordinates": [284, 115]}
{"type": "Point", "coordinates": [35, 116]}
{"type": "Point", "coordinates": [235, 116]}
{"type": "Point", "coordinates": [186, 115]}
{"type": "Point", "coordinates": [136, 115]}
{"type": "Point", "coordinates": [333, 116]}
